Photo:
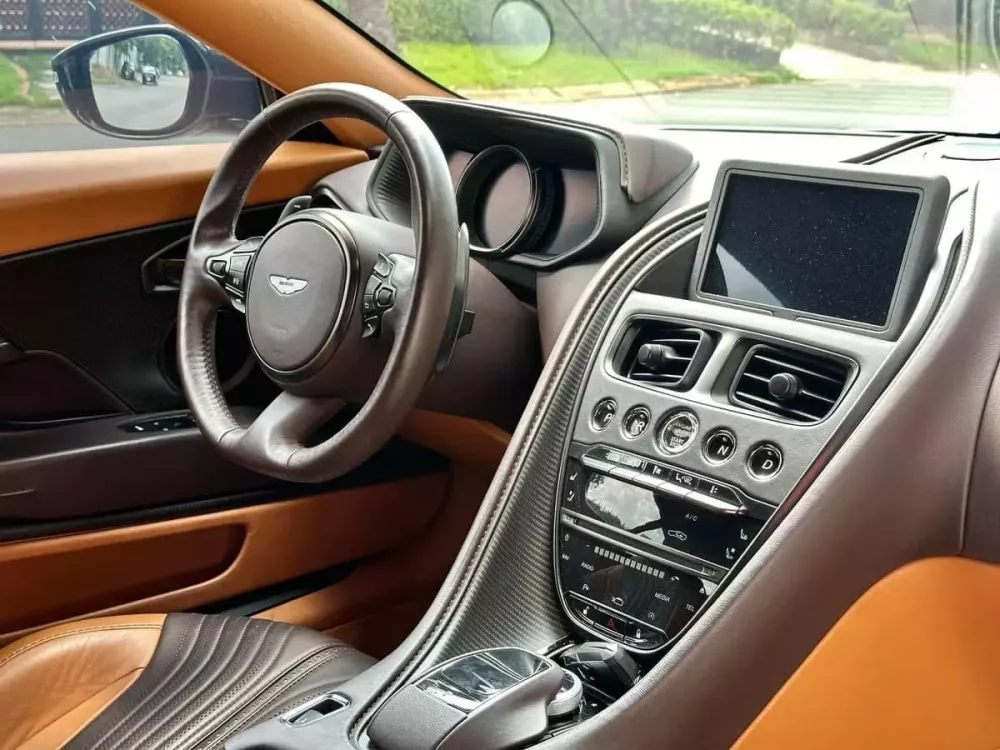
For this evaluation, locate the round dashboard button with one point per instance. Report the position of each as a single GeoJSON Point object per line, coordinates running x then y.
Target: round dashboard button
{"type": "Point", "coordinates": [719, 446]}
{"type": "Point", "coordinates": [677, 432]}
{"type": "Point", "coordinates": [764, 461]}
{"type": "Point", "coordinates": [635, 422]}
{"type": "Point", "coordinates": [603, 414]}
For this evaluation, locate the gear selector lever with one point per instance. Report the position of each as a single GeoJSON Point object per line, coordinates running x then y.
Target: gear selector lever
{"type": "Point", "coordinates": [606, 666]}
{"type": "Point", "coordinates": [489, 700]}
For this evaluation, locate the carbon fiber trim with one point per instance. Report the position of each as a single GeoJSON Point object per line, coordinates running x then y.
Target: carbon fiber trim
{"type": "Point", "coordinates": [505, 593]}
{"type": "Point", "coordinates": [513, 600]}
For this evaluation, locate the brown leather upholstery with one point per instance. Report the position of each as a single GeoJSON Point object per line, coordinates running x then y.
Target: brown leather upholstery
{"type": "Point", "coordinates": [55, 681]}
{"type": "Point", "coordinates": [156, 682]}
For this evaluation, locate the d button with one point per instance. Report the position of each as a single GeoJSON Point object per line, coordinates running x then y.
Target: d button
{"type": "Point", "coordinates": [764, 461]}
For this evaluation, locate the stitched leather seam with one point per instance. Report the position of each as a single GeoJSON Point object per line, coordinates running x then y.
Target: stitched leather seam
{"type": "Point", "coordinates": [148, 691]}
{"type": "Point", "coordinates": [88, 698]}
{"type": "Point", "coordinates": [224, 733]}
{"type": "Point", "coordinates": [49, 639]}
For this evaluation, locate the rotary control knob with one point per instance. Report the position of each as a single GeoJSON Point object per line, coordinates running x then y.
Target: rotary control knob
{"type": "Point", "coordinates": [567, 701]}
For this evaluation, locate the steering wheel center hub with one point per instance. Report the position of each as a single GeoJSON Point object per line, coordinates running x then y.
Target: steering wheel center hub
{"type": "Point", "coordinates": [301, 291]}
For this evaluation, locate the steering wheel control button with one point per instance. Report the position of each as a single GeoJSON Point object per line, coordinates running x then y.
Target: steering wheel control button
{"type": "Point", "coordinates": [236, 272]}
{"type": "Point", "coordinates": [678, 432]}
{"type": "Point", "coordinates": [603, 414]}
{"type": "Point", "coordinates": [370, 327]}
{"type": "Point", "coordinates": [764, 461]}
{"type": "Point", "coordinates": [719, 446]}
{"type": "Point", "coordinates": [217, 268]}
{"type": "Point", "coordinates": [635, 422]}
{"type": "Point", "coordinates": [383, 266]}
{"type": "Point", "coordinates": [384, 297]}
{"type": "Point", "coordinates": [380, 295]}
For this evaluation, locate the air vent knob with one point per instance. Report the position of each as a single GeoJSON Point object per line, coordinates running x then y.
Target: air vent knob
{"type": "Point", "coordinates": [654, 356]}
{"type": "Point", "coordinates": [784, 386]}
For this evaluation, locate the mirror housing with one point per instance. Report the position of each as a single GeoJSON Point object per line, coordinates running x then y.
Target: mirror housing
{"type": "Point", "coordinates": [221, 96]}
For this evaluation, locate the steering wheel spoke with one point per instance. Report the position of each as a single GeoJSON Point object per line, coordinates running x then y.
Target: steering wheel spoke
{"type": "Point", "coordinates": [231, 269]}
{"type": "Point", "coordinates": [282, 430]}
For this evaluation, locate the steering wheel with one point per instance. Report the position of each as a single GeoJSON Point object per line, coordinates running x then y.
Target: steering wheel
{"type": "Point", "coordinates": [318, 288]}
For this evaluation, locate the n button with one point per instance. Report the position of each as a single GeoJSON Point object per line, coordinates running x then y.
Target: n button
{"type": "Point", "coordinates": [719, 446]}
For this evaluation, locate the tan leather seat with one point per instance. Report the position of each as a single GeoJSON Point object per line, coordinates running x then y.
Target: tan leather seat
{"type": "Point", "coordinates": [160, 681]}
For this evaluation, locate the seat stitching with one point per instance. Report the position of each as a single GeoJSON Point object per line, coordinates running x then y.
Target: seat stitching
{"type": "Point", "coordinates": [49, 639]}
{"type": "Point", "coordinates": [265, 702]}
{"type": "Point", "coordinates": [74, 708]}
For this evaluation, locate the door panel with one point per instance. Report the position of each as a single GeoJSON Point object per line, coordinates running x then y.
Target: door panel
{"type": "Point", "coordinates": [87, 302]}
{"type": "Point", "coordinates": [97, 473]}
{"type": "Point", "coordinates": [51, 198]}
{"type": "Point", "coordinates": [97, 517]}
{"type": "Point", "coordinates": [191, 561]}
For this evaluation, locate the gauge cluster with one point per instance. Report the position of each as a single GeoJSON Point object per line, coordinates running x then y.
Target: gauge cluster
{"type": "Point", "coordinates": [537, 190]}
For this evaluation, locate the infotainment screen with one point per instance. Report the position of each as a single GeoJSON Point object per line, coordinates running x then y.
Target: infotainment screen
{"type": "Point", "coordinates": [833, 249]}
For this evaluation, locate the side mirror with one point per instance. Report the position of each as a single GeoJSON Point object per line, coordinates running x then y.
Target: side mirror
{"type": "Point", "coordinates": [151, 82]}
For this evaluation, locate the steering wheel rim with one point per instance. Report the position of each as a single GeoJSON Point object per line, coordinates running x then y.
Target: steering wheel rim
{"type": "Point", "coordinates": [275, 442]}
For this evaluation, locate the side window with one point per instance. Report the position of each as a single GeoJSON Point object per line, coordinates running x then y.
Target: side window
{"type": "Point", "coordinates": [78, 74]}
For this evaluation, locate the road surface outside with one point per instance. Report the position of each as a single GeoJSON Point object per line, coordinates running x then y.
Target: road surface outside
{"type": "Point", "coordinates": [836, 91]}
{"type": "Point", "coordinates": [131, 104]}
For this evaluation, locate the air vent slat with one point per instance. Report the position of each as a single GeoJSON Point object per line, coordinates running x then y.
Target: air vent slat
{"type": "Point", "coordinates": [797, 368]}
{"type": "Point", "coordinates": [777, 408]}
{"type": "Point", "coordinates": [789, 383]}
{"type": "Point", "coordinates": [667, 355]}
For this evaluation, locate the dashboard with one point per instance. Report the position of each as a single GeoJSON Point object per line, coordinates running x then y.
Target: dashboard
{"type": "Point", "coordinates": [742, 318]}
{"type": "Point", "coordinates": [534, 191]}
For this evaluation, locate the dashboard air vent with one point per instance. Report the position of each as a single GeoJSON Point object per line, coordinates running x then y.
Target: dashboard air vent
{"type": "Point", "coordinates": [790, 384]}
{"type": "Point", "coordinates": [667, 355]}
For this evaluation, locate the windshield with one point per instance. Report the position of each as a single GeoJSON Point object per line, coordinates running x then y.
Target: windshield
{"type": "Point", "coordinates": [868, 64]}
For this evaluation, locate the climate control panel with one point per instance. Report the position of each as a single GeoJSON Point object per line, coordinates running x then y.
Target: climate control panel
{"type": "Point", "coordinates": [641, 544]}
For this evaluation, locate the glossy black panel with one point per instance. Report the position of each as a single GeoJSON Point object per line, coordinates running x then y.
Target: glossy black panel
{"type": "Point", "coordinates": [816, 247]}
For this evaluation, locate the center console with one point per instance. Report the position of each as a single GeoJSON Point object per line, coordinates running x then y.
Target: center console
{"type": "Point", "coordinates": [708, 402]}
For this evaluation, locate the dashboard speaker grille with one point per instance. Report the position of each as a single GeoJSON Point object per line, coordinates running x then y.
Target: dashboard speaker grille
{"type": "Point", "coordinates": [667, 355]}
{"type": "Point", "coordinates": [790, 384]}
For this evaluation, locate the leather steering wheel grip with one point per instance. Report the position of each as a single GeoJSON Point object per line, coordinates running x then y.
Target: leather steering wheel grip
{"type": "Point", "coordinates": [274, 443]}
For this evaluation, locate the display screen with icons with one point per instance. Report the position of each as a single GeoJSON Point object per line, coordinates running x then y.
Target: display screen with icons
{"type": "Point", "coordinates": [634, 599]}
{"type": "Point", "coordinates": [670, 522]}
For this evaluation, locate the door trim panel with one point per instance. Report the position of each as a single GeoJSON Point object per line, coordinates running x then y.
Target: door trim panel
{"type": "Point", "coordinates": [51, 198]}
{"type": "Point", "coordinates": [95, 474]}
{"type": "Point", "coordinates": [247, 548]}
